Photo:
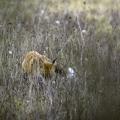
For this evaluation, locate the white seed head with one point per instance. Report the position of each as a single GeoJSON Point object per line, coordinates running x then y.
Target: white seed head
{"type": "Point", "coordinates": [10, 52]}
{"type": "Point", "coordinates": [57, 22]}
{"type": "Point", "coordinates": [42, 12]}
{"type": "Point", "coordinates": [71, 73]}
{"type": "Point", "coordinates": [70, 70]}
{"type": "Point", "coordinates": [84, 31]}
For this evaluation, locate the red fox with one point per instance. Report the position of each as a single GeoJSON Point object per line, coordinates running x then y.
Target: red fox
{"type": "Point", "coordinates": [36, 63]}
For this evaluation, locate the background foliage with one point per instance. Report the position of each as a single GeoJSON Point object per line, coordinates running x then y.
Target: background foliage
{"type": "Point", "coordinates": [84, 36]}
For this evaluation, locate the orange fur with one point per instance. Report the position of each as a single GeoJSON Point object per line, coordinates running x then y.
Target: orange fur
{"type": "Point", "coordinates": [37, 63]}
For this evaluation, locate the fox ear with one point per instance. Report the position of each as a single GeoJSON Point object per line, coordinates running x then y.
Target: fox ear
{"type": "Point", "coordinates": [54, 60]}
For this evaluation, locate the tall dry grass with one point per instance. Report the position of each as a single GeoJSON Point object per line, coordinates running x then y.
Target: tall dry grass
{"type": "Point", "coordinates": [90, 46]}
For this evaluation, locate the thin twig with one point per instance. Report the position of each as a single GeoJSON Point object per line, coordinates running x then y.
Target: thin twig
{"type": "Point", "coordinates": [67, 41]}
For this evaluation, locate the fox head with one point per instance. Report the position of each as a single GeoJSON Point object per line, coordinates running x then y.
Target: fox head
{"type": "Point", "coordinates": [48, 69]}
{"type": "Point", "coordinates": [36, 63]}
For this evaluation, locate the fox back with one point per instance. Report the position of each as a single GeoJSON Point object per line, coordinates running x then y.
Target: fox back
{"type": "Point", "coordinates": [35, 63]}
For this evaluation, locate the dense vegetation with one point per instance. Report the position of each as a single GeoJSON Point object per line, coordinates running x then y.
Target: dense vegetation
{"type": "Point", "coordinates": [84, 36]}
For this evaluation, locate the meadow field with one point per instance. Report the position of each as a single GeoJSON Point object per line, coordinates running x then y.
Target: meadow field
{"type": "Point", "coordinates": [84, 36]}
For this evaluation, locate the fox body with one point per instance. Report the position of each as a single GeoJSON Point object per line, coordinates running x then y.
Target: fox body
{"type": "Point", "coordinates": [35, 63]}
